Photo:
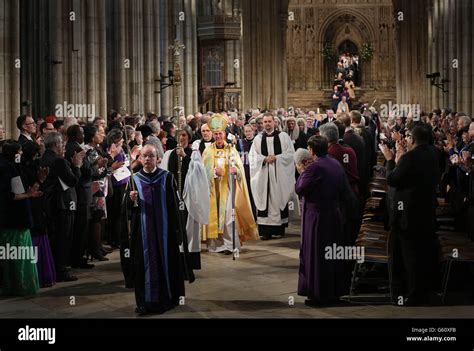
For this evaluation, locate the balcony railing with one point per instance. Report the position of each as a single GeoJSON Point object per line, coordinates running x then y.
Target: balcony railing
{"type": "Point", "coordinates": [219, 27]}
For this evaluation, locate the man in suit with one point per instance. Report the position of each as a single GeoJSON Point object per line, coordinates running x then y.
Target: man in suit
{"type": "Point", "coordinates": [27, 126]}
{"type": "Point", "coordinates": [330, 117]}
{"type": "Point", "coordinates": [60, 200]}
{"type": "Point", "coordinates": [356, 142]}
{"type": "Point", "coordinates": [75, 137]}
{"type": "Point", "coordinates": [414, 177]}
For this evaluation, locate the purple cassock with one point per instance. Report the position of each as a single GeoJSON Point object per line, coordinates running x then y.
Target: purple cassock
{"type": "Point", "coordinates": [321, 186]}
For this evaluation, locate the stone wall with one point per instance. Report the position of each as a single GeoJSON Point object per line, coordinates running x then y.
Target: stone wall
{"type": "Point", "coordinates": [435, 36]}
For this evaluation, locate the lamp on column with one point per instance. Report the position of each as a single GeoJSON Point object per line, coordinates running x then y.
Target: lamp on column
{"type": "Point", "coordinates": [436, 82]}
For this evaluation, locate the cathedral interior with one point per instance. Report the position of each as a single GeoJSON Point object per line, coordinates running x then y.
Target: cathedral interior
{"type": "Point", "coordinates": [242, 54]}
{"type": "Point", "coordinates": [175, 58]}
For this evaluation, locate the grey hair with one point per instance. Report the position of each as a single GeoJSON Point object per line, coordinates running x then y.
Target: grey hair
{"type": "Point", "coordinates": [466, 120]}
{"type": "Point", "coordinates": [155, 127]}
{"type": "Point", "coordinates": [52, 139]}
{"type": "Point", "coordinates": [330, 132]}
{"type": "Point", "coordinates": [300, 155]}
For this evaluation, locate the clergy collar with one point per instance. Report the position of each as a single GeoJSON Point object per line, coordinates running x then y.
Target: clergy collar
{"type": "Point", "coordinates": [272, 134]}
{"type": "Point", "coordinates": [154, 170]}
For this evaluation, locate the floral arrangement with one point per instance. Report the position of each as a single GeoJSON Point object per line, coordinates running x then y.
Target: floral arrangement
{"type": "Point", "coordinates": [328, 53]}
{"type": "Point", "coordinates": [367, 51]}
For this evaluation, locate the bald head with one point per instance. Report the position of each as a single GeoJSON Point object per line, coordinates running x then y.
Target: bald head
{"type": "Point", "coordinates": [148, 158]}
{"type": "Point", "coordinates": [206, 133]}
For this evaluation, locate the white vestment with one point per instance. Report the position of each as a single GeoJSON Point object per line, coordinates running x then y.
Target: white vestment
{"type": "Point", "coordinates": [224, 242]}
{"type": "Point", "coordinates": [272, 183]}
{"type": "Point", "coordinates": [195, 197]}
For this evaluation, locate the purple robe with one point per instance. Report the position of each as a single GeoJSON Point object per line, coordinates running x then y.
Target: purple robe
{"type": "Point", "coordinates": [321, 186]}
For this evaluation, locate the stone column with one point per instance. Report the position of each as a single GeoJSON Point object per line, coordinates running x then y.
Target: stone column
{"type": "Point", "coordinates": [101, 109]}
{"type": "Point", "coordinates": [9, 75]}
{"type": "Point", "coordinates": [166, 107]}
{"type": "Point", "coordinates": [190, 55]}
{"type": "Point", "coordinates": [156, 31]}
{"type": "Point", "coordinates": [452, 43]}
{"type": "Point", "coordinates": [56, 53]}
{"type": "Point", "coordinates": [264, 64]}
{"type": "Point", "coordinates": [92, 54]}
{"type": "Point", "coordinates": [148, 59]}
{"type": "Point", "coordinates": [465, 88]}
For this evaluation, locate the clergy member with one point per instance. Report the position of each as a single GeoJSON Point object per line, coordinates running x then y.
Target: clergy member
{"type": "Point", "coordinates": [272, 178]}
{"type": "Point", "coordinates": [178, 161]}
{"type": "Point", "coordinates": [321, 185]}
{"type": "Point", "coordinates": [223, 164]}
{"type": "Point", "coordinates": [206, 140]}
{"type": "Point", "coordinates": [157, 233]}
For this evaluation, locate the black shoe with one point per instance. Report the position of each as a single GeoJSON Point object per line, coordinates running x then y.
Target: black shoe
{"type": "Point", "coordinates": [312, 303]}
{"type": "Point", "coordinates": [226, 252]}
{"type": "Point", "coordinates": [82, 265]}
{"type": "Point", "coordinates": [98, 256]}
{"type": "Point", "coordinates": [66, 278]}
{"type": "Point", "coordinates": [106, 250]}
{"type": "Point", "coordinates": [141, 311]}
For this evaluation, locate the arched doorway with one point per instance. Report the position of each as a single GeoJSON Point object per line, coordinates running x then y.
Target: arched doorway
{"type": "Point", "coordinates": [345, 34]}
{"type": "Point", "coordinates": [314, 40]}
{"type": "Point", "coordinates": [348, 47]}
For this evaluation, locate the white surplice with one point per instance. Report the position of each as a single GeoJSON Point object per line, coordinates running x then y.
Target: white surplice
{"type": "Point", "coordinates": [273, 182]}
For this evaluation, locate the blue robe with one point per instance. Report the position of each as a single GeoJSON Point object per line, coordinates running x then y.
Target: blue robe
{"type": "Point", "coordinates": [159, 270]}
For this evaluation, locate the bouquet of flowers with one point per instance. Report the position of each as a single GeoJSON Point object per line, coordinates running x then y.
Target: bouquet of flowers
{"type": "Point", "coordinates": [367, 51]}
{"type": "Point", "coordinates": [327, 52]}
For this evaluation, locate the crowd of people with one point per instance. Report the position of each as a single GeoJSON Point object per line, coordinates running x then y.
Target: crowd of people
{"type": "Point", "coordinates": [347, 78]}
{"type": "Point", "coordinates": [158, 188]}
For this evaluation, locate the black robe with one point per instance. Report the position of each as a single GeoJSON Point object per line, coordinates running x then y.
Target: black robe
{"type": "Point", "coordinates": [173, 168]}
{"type": "Point", "coordinates": [158, 267]}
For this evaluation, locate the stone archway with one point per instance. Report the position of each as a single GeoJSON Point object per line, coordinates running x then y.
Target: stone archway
{"type": "Point", "coordinates": [346, 27]}
{"type": "Point", "coordinates": [317, 25]}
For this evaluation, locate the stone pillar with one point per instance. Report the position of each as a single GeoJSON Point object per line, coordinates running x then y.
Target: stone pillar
{"type": "Point", "coordinates": [264, 64]}
{"type": "Point", "coordinates": [9, 75]}
{"type": "Point", "coordinates": [56, 53]}
{"type": "Point", "coordinates": [101, 109]}
{"type": "Point", "coordinates": [452, 43]}
{"type": "Point", "coordinates": [148, 59]}
{"type": "Point", "coordinates": [92, 54]}
{"type": "Point", "coordinates": [190, 59]}
{"type": "Point", "coordinates": [157, 33]}
{"type": "Point", "coordinates": [166, 96]}
{"type": "Point", "coordinates": [122, 55]}
{"type": "Point", "coordinates": [465, 88]}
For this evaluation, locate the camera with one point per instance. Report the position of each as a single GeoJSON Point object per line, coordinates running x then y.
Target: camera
{"type": "Point", "coordinates": [433, 75]}
{"type": "Point", "coordinates": [389, 142]}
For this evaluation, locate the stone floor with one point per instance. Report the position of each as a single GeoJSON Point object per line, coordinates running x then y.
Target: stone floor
{"type": "Point", "coordinates": [260, 284]}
